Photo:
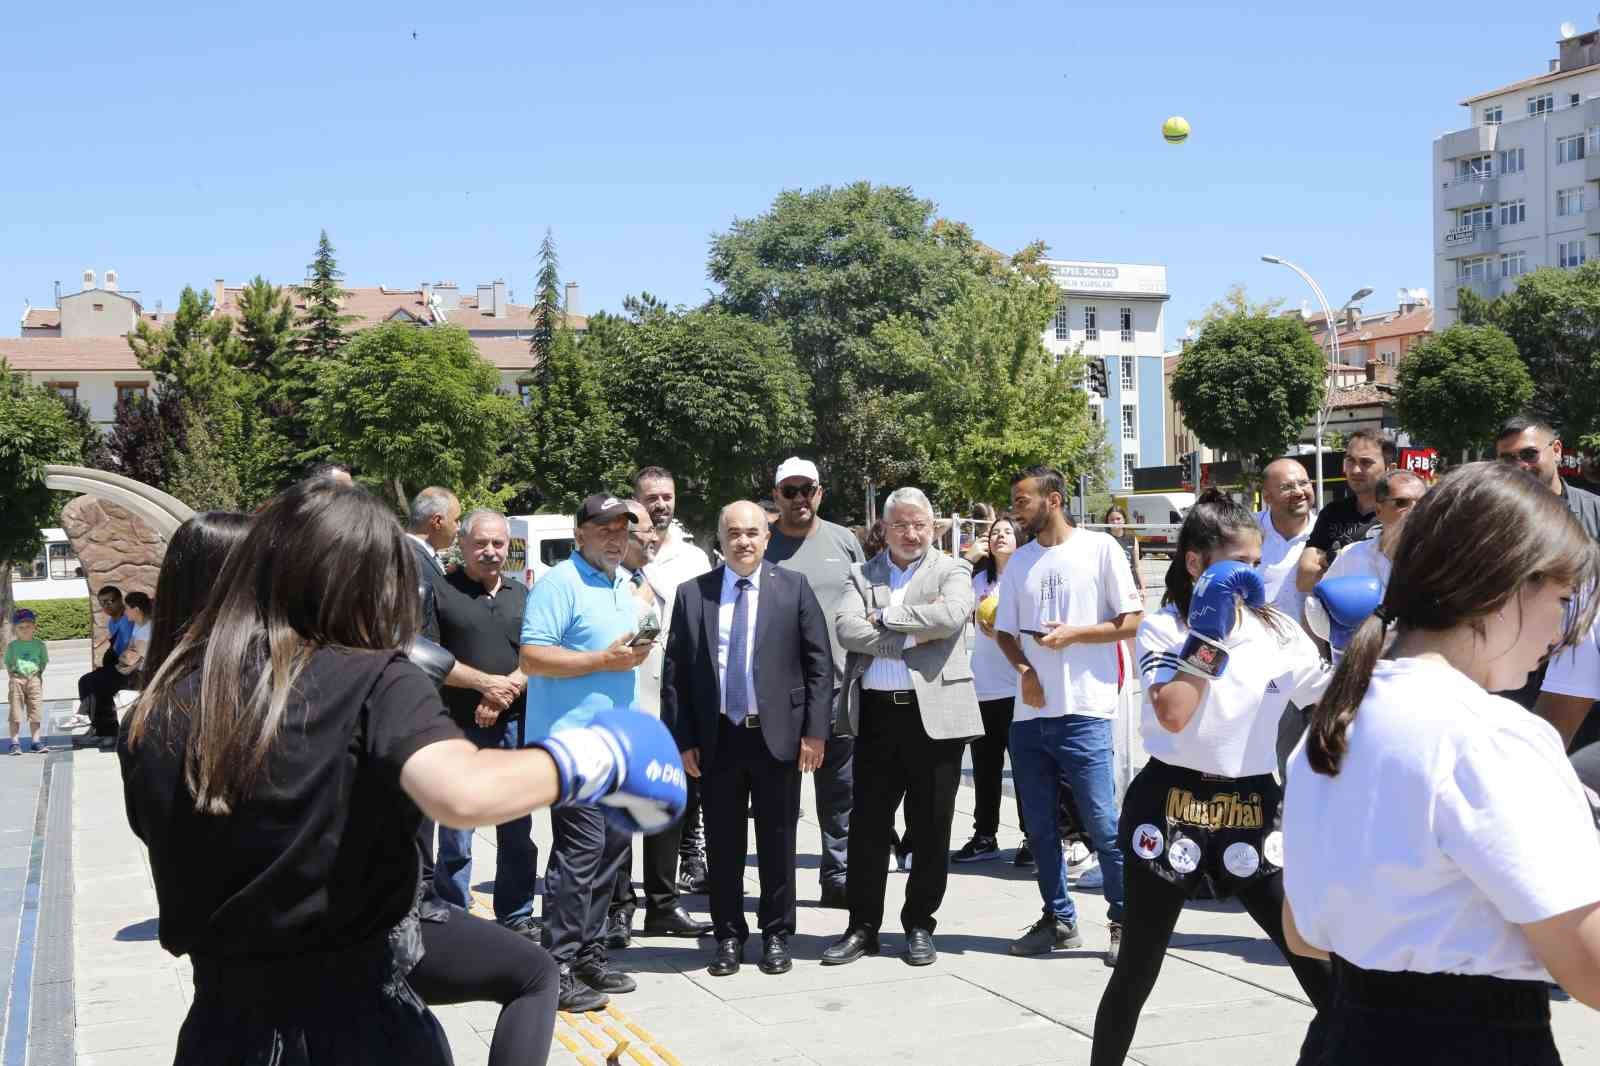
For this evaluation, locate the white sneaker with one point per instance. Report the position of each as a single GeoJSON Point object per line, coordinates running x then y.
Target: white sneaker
{"type": "Point", "coordinates": [1078, 853]}
{"type": "Point", "coordinates": [1091, 878]}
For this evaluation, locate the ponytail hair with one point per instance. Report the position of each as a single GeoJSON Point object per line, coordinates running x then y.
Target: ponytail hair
{"type": "Point", "coordinates": [1466, 550]}
{"type": "Point", "coordinates": [1215, 519]}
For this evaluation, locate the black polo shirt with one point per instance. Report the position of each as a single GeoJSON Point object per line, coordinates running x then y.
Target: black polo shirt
{"type": "Point", "coordinates": [1339, 525]}
{"type": "Point", "coordinates": [482, 631]}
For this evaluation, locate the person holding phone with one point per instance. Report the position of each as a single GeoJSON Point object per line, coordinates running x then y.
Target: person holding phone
{"type": "Point", "coordinates": [578, 652]}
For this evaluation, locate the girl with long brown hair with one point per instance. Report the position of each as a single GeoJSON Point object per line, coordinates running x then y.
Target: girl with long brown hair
{"type": "Point", "coordinates": [1438, 845]}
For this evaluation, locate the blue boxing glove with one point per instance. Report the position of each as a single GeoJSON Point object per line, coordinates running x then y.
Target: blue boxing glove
{"type": "Point", "coordinates": [1337, 607]}
{"type": "Point", "coordinates": [624, 761]}
{"type": "Point", "coordinates": [1213, 611]}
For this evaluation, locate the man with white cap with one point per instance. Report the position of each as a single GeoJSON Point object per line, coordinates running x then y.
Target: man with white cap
{"type": "Point", "coordinates": [824, 553]}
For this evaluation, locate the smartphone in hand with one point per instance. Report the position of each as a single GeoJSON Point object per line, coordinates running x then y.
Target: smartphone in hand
{"type": "Point", "coordinates": [648, 632]}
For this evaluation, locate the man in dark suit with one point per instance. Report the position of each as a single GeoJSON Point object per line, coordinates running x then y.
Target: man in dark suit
{"type": "Point", "coordinates": [431, 529]}
{"type": "Point", "coordinates": [746, 689]}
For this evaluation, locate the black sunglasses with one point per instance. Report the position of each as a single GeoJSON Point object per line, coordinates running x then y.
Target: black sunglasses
{"type": "Point", "coordinates": [792, 491]}
{"type": "Point", "coordinates": [1521, 455]}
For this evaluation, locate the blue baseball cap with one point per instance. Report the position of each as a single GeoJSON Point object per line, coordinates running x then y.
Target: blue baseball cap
{"type": "Point", "coordinates": [22, 614]}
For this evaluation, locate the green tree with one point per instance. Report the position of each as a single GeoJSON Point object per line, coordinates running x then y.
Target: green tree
{"type": "Point", "coordinates": [714, 397]}
{"type": "Point", "coordinates": [827, 266]}
{"type": "Point", "coordinates": [322, 333]}
{"type": "Point", "coordinates": [411, 406]}
{"type": "Point", "coordinates": [549, 318]}
{"type": "Point", "coordinates": [1553, 317]}
{"type": "Point", "coordinates": [1236, 302]}
{"type": "Point", "coordinates": [35, 431]}
{"type": "Point", "coordinates": [266, 326]}
{"type": "Point", "coordinates": [570, 442]}
{"type": "Point", "coordinates": [995, 400]}
{"type": "Point", "coordinates": [1249, 384]}
{"type": "Point", "coordinates": [1456, 387]}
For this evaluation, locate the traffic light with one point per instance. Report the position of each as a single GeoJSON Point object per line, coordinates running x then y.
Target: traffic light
{"type": "Point", "coordinates": [1189, 467]}
{"type": "Point", "coordinates": [1097, 377]}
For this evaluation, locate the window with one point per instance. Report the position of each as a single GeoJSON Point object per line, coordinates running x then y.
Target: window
{"type": "Point", "coordinates": [1513, 212]}
{"type": "Point", "coordinates": [99, 307]}
{"type": "Point", "coordinates": [63, 563]}
{"type": "Point", "coordinates": [525, 394]}
{"type": "Point", "coordinates": [1129, 462]}
{"type": "Point", "coordinates": [1127, 373]}
{"type": "Point", "coordinates": [1574, 99]}
{"type": "Point", "coordinates": [1594, 139]}
{"type": "Point", "coordinates": [1474, 167]}
{"type": "Point", "coordinates": [1492, 116]}
{"type": "Point", "coordinates": [1513, 264]}
{"type": "Point", "coordinates": [1127, 324]}
{"type": "Point", "coordinates": [1569, 149]}
{"type": "Point", "coordinates": [1541, 105]}
{"type": "Point", "coordinates": [1063, 322]}
{"type": "Point", "coordinates": [1513, 161]}
{"type": "Point", "coordinates": [1091, 329]}
{"type": "Point", "coordinates": [1569, 201]}
{"type": "Point", "coordinates": [556, 550]}
{"type": "Point", "coordinates": [67, 390]}
{"type": "Point", "coordinates": [1476, 217]}
{"type": "Point", "coordinates": [132, 391]}
{"type": "Point", "coordinates": [1571, 253]}
{"type": "Point", "coordinates": [1094, 412]}
{"type": "Point", "coordinates": [1475, 268]}
{"type": "Point", "coordinates": [1130, 421]}
{"type": "Point", "coordinates": [30, 570]}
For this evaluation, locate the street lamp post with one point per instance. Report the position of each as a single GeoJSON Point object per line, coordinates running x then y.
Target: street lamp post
{"type": "Point", "coordinates": [1333, 331]}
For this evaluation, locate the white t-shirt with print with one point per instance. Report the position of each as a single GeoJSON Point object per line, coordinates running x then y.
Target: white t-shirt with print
{"type": "Point", "coordinates": [992, 673]}
{"type": "Point", "coordinates": [1234, 731]}
{"type": "Point", "coordinates": [1083, 581]}
{"type": "Point", "coordinates": [1455, 817]}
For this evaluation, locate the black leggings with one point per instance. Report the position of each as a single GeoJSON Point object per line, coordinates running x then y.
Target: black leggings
{"type": "Point", "coordinates": [468, 959]}
{"type": "Point", "coordinates": [1150, 915]}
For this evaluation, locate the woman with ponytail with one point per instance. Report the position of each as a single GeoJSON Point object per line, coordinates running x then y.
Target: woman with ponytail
{"type": "Point", "coordinates": [1204, 811]}
{"type": "Point", "coordinates": [1438, 846]}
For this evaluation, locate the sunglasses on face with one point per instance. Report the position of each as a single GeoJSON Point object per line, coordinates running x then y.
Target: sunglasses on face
{"type": "Point", "coordinates": [792, 491]}
{"type": "Point", "coordinates": [1521, 455]}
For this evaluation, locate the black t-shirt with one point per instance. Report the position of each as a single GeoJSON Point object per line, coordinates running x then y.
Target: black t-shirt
{"type": "Point", "coordinates": [1339, 524]}
{"type": "Point", "coordinates": [321, 855]}
{"type": "Point", "coordinates": [482, 631]}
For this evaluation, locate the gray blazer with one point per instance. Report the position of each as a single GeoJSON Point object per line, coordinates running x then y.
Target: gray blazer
{"type": "Point", "coordinates": [937, 609]}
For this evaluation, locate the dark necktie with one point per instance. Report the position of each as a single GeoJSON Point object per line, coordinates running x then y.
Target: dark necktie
{"type": "Point", "coordinates": [738, 698]}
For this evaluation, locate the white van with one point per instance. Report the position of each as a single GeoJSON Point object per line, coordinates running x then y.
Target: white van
{"type": "Point", "coordinates": [1164, 511]}
{"type": "Point", "coordinates": [538, 542]}
{"type": "Point", "coordinates": [53, 574]}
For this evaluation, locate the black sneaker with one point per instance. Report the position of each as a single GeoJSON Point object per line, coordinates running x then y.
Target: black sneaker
{"type": "Point", "coordinates": [619, 931]}
{"type": "Point", "coordinates": [1045, 935]}
{"type": "Point", "coordinates": [977, 849]}
{"type": "Point", "coordinates": [692, 878]}
{"type": "Point", "coordinates": [1024, 855]}
{"type": "Point", "coordinates": [577, 997]}
{"type": "Point", "coordinates": [598, 975]}
{"type": "Point", "coordinates": [527, 926]}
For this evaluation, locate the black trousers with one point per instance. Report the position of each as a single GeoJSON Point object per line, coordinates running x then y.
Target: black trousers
{"type": "Point", "coordinates": [744, 777]}
{"type": "Point", "coordinates": [1431, 1019]}
{"type": "Point", "coordinates": [1150, 914]}
{"type": "Point", "coordinates": [896, 760]}
{"type": "Point", "coordinates": [97, 691]}
{"type": "Point", "coordinates": [469, 960]}
{"type": "Point", "coordinates": [585, 854]}
{"type": "Point", "coordinates": [988, 765]}
{"type": "Point", "coordinates": [660, 867]}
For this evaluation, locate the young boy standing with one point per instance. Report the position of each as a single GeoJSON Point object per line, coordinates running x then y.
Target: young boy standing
{"type": "Point", "coordinates": [26, 658]}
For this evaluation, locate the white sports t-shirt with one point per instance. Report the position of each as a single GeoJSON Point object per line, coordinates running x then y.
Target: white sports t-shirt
{"type": "Point", "coordinates": [1082, 581]}
{"type": "Point", "coordinates": [1576, 671]}
{"type": "Point", "coordinates": [992, 673]}
{"type": "Point", "coordinates": [1454, 818]}
{"type": "Point", "coordinates": [1234, 731]}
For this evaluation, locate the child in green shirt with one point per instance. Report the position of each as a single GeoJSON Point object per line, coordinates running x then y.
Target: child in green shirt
{"type": "Point", "coordinates": [26, 658]}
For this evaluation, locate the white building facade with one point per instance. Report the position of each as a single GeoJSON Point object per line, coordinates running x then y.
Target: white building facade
{"type": "Point", "coordinates": [1116, 313]}
{"type": "Point", "coordinates": [1519, 188]}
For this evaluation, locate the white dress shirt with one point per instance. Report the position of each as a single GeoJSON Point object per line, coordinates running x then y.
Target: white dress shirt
{"type": "Point", "coordinates": [1280, 560]}
{"type": "Point", "coordinates": [730, 593]}
{"type": "Point", "coordinates": [891, 675]}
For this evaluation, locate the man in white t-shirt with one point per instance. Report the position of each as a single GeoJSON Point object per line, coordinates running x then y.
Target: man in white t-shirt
{"type": "Point", "coordinates": [1285, 525]}
{"type": "Point", "coordinates": [1066, 599]}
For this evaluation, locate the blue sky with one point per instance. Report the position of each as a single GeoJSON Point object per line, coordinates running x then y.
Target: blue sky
{"type": "Point", "coordinates": [178, 143]}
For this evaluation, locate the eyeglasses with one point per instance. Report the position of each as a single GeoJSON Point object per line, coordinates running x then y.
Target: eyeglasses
{"type": "Point", "coordinates": [1522, 455]}
{"type": "Point", "coordinates": [792, 491]}
{"type": "Point", "coordinates": [909, 527]}
{"type": "Point", "coordinates": [1294, 486]}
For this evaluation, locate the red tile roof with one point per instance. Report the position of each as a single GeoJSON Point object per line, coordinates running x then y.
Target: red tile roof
{"type": "Point", "coordinates": [1420, 321]}
{"type": "Point", "coordinates": [370, 307]}
{"type": "Point", "coordinates": [1362, 396]}
{"type": "Point", "coordinates": [68, 354]}
{"type": "Point", "coordinates": [41, 318]}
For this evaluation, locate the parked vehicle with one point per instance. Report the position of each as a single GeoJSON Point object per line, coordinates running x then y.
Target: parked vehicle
{"type": "Point", "coordinates": [53, 574]}
{"type": "Point", "coordinates": [1156, 517]}
{"type": "Point", "coordinates": [538, 542]}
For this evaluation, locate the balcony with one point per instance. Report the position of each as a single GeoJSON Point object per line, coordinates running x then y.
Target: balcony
{"type": "Point", "coordinates": [1477, 188]}
{"type": "Point", "coordinates": [1457, 241]}
{"type": "Point", "coordinates": [1474, 141]}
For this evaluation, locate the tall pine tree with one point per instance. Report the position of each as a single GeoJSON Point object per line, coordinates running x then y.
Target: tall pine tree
{"type": "Point", "coordinates": [322, 323]}
{"type": "Point", "coordinates": [548, 316]}
{"type": "Point", "coordinates": [266, 326]}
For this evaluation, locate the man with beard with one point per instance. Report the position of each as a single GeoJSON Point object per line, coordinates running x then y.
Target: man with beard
{"type": "Point", "coordinates": [677, 559]}
{"type": "Point", "coordinates": [1345, 520]}
{"type": "Point", "coordinates": [824, 553]}
{"type": "Point", "coordinates": [1286, 524]}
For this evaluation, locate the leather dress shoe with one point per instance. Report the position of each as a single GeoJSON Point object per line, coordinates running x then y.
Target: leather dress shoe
{"type": "Point", "coordinates": [775, 955]}
{"type": "Point", "coordinates": [675, 922]}
{"type": "Point", "coordinates": [857, 941]}
{"type": "Point", "coordinates": [729, 954]}
{"type": "Point", "coordinates": [919, 948]}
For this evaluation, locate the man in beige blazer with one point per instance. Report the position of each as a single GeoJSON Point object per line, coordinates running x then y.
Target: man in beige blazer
{"type": "Point", "coordinates": [911, 704]}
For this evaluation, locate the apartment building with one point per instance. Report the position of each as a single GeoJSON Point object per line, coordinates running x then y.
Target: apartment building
{"type": "Point", "coordinates": [1519, 187]}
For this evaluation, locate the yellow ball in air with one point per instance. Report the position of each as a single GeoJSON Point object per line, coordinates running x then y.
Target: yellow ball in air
{"type": "Point", "coordinates": [1175, 129]}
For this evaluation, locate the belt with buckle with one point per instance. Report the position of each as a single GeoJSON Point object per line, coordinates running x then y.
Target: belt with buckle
{"type": "Point", "coordinates": [751, 721]}
{"type": "Point", "coordinates": [901, 696]}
